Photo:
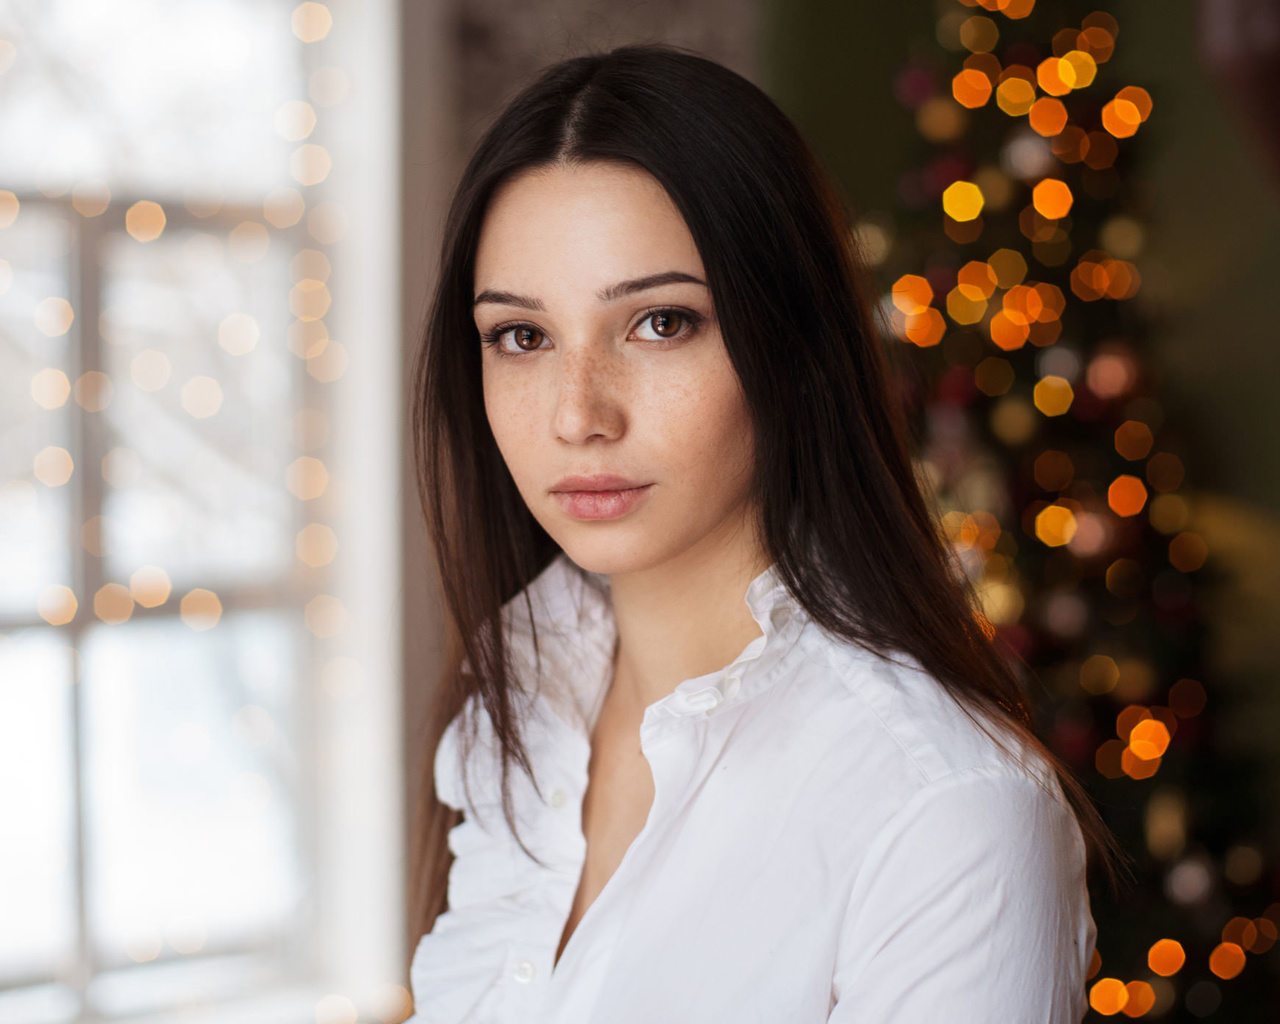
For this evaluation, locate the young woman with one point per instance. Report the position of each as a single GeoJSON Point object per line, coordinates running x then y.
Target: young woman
{"type": "Point", "coordinates": [724, 740]}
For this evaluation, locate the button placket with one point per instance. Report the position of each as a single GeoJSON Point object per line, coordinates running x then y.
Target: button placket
{"type": "Point", "coordinates": [525, 971]}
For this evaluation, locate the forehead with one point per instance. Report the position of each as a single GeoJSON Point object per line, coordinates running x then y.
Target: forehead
{"type": "Point", "coordinates": [580, 228]}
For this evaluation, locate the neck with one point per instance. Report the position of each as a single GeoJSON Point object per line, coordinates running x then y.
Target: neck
{"type": "Point", "coordinates": [682, 619]}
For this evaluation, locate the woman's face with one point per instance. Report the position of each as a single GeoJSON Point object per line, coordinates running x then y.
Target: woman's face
{"type": "Point", "coordinates": [603, 357]}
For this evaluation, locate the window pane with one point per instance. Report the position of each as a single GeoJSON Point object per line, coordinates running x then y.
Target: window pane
{"type": "Point", "coordinates": [194, 341]}
{"type": "Point", "coordinates": [154, 96]}
{"type": "Point", "coordinates": [37, 839]}
{"type": "Point", "coordinates": [36, 380]}
{"type": "Point", "coordinates": [191, 785]}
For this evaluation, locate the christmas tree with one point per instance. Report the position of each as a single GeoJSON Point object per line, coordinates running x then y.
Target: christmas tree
{"type": "Point", "coordinates": [1012, 273]}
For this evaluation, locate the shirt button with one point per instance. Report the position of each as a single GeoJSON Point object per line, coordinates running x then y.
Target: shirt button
{"type": "Point", "coordinates": [524, 971]}
{"type": "Point", "coordinates": [558, 797]}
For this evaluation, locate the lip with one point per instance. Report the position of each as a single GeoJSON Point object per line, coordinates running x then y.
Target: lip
{"type": "Point", "coordinates": [596, 482]}
{"type": "Point", "coordinates": [601, 496]}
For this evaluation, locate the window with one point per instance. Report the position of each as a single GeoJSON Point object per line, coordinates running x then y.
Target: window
{"type": "Point", "coordinates": [199, 791]}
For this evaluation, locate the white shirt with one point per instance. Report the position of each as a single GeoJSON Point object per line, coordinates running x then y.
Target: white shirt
{"type": "Point", "coordinates": [831, 840]}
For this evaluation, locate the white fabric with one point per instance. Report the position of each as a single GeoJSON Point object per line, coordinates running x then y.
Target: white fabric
{"type": "Point", "coordinates": [831, 840]}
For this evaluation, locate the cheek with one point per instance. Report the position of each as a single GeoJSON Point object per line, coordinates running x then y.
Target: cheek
{"type": "Point", "coordinates": [704, 425]}
{"type": "Point", "coordinates": [513, 410]}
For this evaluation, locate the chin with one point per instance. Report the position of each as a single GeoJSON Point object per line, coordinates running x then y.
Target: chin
{"type": "Point", "coordinates": [612, 549]}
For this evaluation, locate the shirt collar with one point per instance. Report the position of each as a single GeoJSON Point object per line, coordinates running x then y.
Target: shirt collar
{"type": "Point", "coordinates": [576, 633]}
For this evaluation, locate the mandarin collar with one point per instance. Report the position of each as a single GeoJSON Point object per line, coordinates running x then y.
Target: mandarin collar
{"type": "Point", "coordinates": [577, 635]}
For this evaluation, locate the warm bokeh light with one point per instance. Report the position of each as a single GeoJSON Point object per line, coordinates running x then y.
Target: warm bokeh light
{"type": "Point", "coordinates": [1121, 118]}
{"type": "Point", "coordinates": [1053, 395]}
{"type": "Point", "coordinates": [310, 164]}
{"type": "Point", "coordinates": [202, 397]}
{"type": "Point", "coordinates": [145, 220]}
{"type": "Point", "coordinates": [1139, 97]}
{"type": "Point", "coordinates": [113, 603]}
{"type": "Point", "coordinates": [1187, 552]}
{"type": "Point", "coordinates": [1127, 495]}
{"type": "Point", "coordinates": [52, 466]}
{"type": "Point", "coordinates": [1053, 470]}
{"type": "Point", "coordinates": [50, 388]}
{"type": "Point", "coordinates": [93, 391]}
{"type": "Point", "coordinates": [963, 307]}
{"type": "Point", "coordinates": [1149, 739]}
{"type": "Point", "coordinates": [912, 294]}
{"type": "Point", "coordinates": [149, 586]}
{"type": "Point", "coordinates": [941, 119]}
{"type": "Point", "coordinates": [971, 88]}
{"type": "Point", "coordinates": [283, 207]}
{"type": "Point", "coordinates": [1083, 65]}
{"type": "Point", "coordinates": [1047, 116]}
{"type": "Point", "coordinates": [1169, 513]}
{"type": "Point", "coordinates": [1099, 673]}
{"type": "Point", "coordinates": [1166, 957]}
{"type": "Point", "coordinates": [295, 120]}
{"type": "Point", "coordinates": [1108, 996]}
{"type": "Point", "coordinates": [979, 34]}
{"type": "Point", "coordinates": [1052, 198]}
{"type": "Point", "coordinates": [1055, 525]}
{"type": "Point", "coordinates": [306, 478]}
{"type": "Point", "coordinates": [325, 616]}
{"type": "Point", "coordinates": [150, 369]}
{"type": "Point", "coordinates": [331, 362]}
{"type": "Point", "coordinates": [238, 333]}
{"type": "Point", "coordinates": [1142, 998]}
{"type": "Point", "coordinates": [993, 376]}
{"type": "Point", "coordinates": [1008, 333]}
{"type": "Point", "coordinates": [57, 605]}
{"type": "Point", "coordinates": [1187, 698]}
{"type": "Point", "coordinates": [9, 206]}
{"type": "Point", "coordinates": [1133, 440]}
{"type": "Point", "coordinates": [200, 609]}
{"type": "Point", "coordinates": [316, 545]}
{"type": "Point", "coordinates": [1165, 472]}
{"type": "Point", "coordinates": [1056, 76]}
{"type": "Point", "coordinates": [976, 280]}
{"type": "Point", "coordinates": [1227, 960]}
{"type": "Point", "coordinates": [1097, 42]}
{"type": "Point", "coordinates": [248, 241]}
{"type": "Point", "coordinates": [962, 200]}
{"type": "Point", "coordinates": [1015, 95]}
{"type": "Point", "coordinates": [309, 299]}
{"type": "Point", "coordinates": [1111, 374]}
{"type": "Point", "coordinates": [311, 22]}
{"type": "Point", "coordinates": [1010, 267]}
{"type": "Point", "coordinates": [54, 316]}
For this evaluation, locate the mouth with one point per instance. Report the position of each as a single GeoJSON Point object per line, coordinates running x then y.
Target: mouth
{"type": "Point", "coordinates": [601, 503]}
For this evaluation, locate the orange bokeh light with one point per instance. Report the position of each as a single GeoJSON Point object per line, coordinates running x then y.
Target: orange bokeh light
{"type": "Point", "coordinates": [1227, 960]}
{"type": "Point", "coordinates": [1121, 118]}
{"type": "Point", "coordinates": [1006, 332]}
{"type": "Point", "coordinates": [1127, 495]}
{"type": "Point", "coordinates": [925, 328]}
{"type": "Point", "coordinates": [912, 294]}
{"type": "Point", "coordinates": [971, 88]}
{"type": "Point", "coordinates": [1048, 116]}
{"type": "Point", "coordinates": [1142, 997]}
{"type": "Point", "coordinates": [1108, 996]}
{"type": "Point", "coordinates": [1166, 957]}
{"type": "Point", "coordinates": [1052, 198]}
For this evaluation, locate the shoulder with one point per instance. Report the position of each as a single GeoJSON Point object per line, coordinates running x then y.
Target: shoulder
{"type": "Point", "coordinates": [904, 729]}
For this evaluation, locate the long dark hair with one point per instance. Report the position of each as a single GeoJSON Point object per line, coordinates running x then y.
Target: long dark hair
{"type": "Point", "coordinates": [840, 508]}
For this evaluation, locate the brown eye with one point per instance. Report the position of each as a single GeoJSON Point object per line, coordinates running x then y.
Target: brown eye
{"type": "Point", "coordinates": [666, 325]}
{"type": "Point", "coordinates": [527, 338]}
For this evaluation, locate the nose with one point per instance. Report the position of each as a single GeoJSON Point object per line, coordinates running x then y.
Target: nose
{"type": "Point", "coordinates": [589, 395]}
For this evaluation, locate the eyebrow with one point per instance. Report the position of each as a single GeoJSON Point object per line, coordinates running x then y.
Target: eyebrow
{"type": "Point", "coordinates": [610, 294]}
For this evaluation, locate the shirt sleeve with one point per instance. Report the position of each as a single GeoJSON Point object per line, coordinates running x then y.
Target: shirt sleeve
{"type": "Point", "coordinates": [971, 905]}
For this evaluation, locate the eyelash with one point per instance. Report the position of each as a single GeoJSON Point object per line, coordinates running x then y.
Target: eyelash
{"type": "Point", "coordinates": [693, 321]}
